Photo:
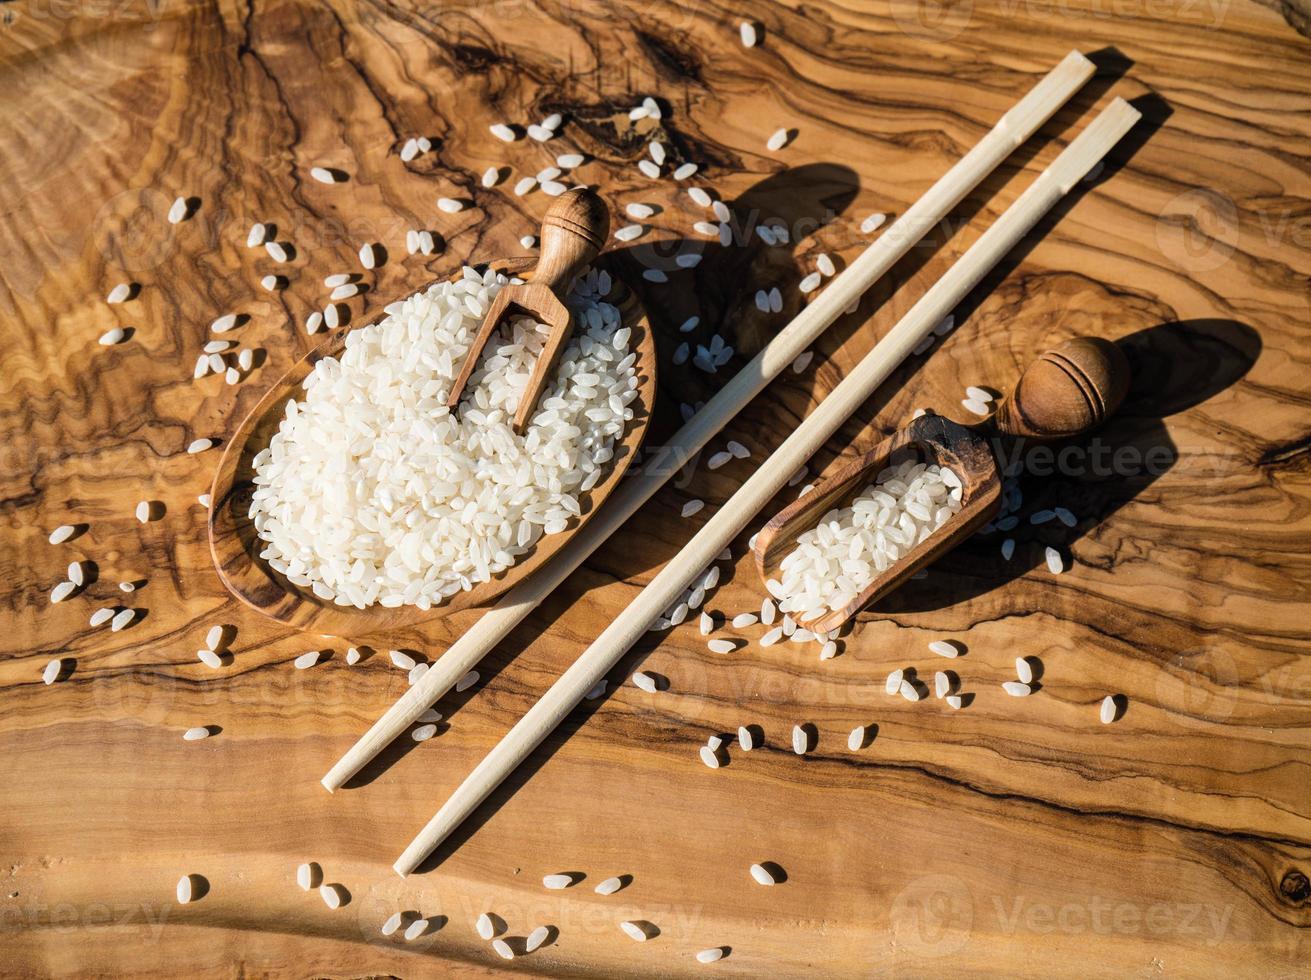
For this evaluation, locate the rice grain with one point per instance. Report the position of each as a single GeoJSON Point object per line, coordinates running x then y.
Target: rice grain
{"type": "Point", "coordinates": [62, 533]}
{"type": "Point", "coordinates": [762, 875]}
{"type": "Point", "coordinates": [634, 931]}
{"type": "Point", "coordinates": [423, 733]}
{"type": "Point", "coordinates": [309, 875]}
{"type": "Point", "coordinates": [800, 740]}
{"type": "Point", "coordinates": [872, 223]}
{"type": "Point", "coordinates": [1055, 564]}
{"type": "Point", "coordinates": [1109, 709]}
{"type": "Point", "coordinates": [331, 895]}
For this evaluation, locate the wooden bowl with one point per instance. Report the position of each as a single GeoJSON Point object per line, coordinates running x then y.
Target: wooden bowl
{"type": "Point", "coordinates": [235, 546]}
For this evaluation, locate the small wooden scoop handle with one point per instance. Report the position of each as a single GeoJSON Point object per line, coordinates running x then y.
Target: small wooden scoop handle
{"type": "Point", "coordinates": [573, 231]}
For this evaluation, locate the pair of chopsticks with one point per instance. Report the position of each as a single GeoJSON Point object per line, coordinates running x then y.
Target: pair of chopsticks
{"type": "Point", "coordinates": [1052, 92]}
{"type": "Point", "coordinates": [599, 658]}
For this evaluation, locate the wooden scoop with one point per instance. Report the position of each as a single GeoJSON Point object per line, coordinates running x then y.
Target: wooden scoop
{"type": "Point", "coordinates": [1067, 390]}
{"type": "Point", "coordinates": [573, 231]}
{"type": "Point", "coordinates": [235, 547]}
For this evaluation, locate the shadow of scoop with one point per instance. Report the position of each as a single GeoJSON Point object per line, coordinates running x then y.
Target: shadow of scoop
{"type": "Point", "coordinates": [1175, 366]}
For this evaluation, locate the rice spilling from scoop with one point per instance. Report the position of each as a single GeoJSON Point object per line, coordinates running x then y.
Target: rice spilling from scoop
{"type": "Point", "coordinates": [372, 491]}
{"type": "Point", "coordinates": [834, 561]}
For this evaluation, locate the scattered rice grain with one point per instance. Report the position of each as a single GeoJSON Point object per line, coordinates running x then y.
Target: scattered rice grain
{"type": "Point", "coordinates": [1109, 709]}
{"type": "Point", "coordinates": [762, 875]}
{"type": "Point", "coordinates": [634, 931]}
{"type": "Point", "coordinates": [872, 223]}
{"type": "Point", "coordinates": [1055, 564]}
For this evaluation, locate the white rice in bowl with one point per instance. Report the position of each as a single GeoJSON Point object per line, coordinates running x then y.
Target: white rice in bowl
{"type": "Point", "coordinates": [373, 492]}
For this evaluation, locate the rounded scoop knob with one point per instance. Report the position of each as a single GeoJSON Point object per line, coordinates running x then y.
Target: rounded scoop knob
{"type": "Point", "coordinates": [574, 230]}
{"type": "Point", "coordinates": [1066, 390]}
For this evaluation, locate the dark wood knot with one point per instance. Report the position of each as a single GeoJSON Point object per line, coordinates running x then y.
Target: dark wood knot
{"type": "Point", "coordinates": [1295, 888]}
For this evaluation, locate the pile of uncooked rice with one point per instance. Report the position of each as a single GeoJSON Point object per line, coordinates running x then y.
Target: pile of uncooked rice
{"type": "Point", "coordinates": [834, 561]}
{"type": "Point", "coordinates": [372, 491]}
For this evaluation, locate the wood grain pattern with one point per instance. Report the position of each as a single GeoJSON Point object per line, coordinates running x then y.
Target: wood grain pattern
{"type": "Point", "coordinates": [1016, 837]}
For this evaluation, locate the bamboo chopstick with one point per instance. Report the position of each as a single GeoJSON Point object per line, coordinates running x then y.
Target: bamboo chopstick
{"type": "Point", "coordinates": [1052, 184]}
{"type": "Point", "coordinates": [1016, 126]}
